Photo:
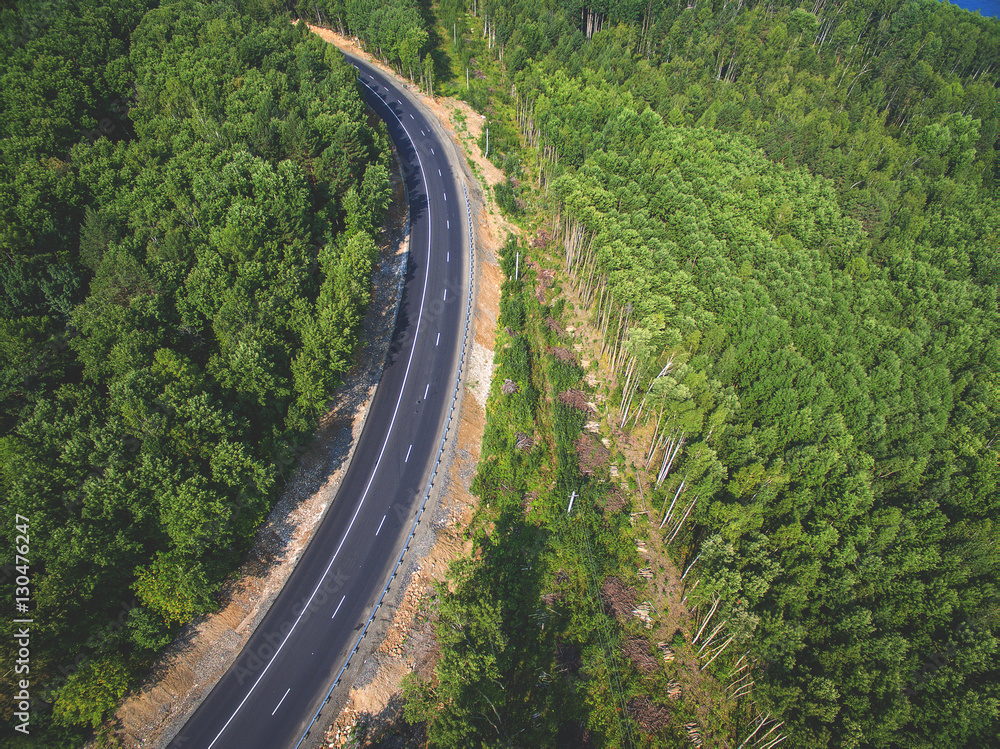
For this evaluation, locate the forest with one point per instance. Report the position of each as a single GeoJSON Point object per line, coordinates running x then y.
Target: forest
{"type": "Point", "coordinates": [189, 200]}
{"type": "Point", "coordinates": [781, 219]}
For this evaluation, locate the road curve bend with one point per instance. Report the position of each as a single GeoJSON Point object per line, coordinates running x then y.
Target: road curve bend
{"type": "Point", "coordinates": [270, 697]}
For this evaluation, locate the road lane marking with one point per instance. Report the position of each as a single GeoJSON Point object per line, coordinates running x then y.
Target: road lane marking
{"type": "Point", "coordinates": [445, 196]}
{"type": "Point", "coordinates": [439, 173]}
{"type": "Point", "coordinates": [407, 458]}
{"type": "Point", "coordinates": [423, 133]}
{"type": "Point", "coordinates": [383, 518]}
{"type": "Point", "coordinates": [378, 462]}
{"type": "Point", "coordinates": [426, 389]}
{"type": "Point", "coordinates": [411, 116]}
{"type": "Point", "coordinates": [448, 258]}
{"type": "Point", "coordinates": [432, 152]}
{"type": "Point", "coordinates": [281, 700]}
{"type": "Point", "coordinates": [436, 342]}
{"type": "Point", "coordinates": [338, 607]}
{"type": "Point", "coordinates": [447, 224]}
{"type": "Point", "coordinates": [446, 295]}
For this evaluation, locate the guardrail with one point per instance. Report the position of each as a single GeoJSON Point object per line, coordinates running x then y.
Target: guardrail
{"type": "Point", "coordinates": [430, 485]}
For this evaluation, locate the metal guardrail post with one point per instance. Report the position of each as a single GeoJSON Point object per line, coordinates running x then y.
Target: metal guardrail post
{"type": "Point", "coordinates": [437, 463]}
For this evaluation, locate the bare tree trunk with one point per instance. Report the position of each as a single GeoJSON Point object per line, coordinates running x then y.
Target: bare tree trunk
{"type": "Point", "coordinates": [689, 567]}
{"type": "Point", "coordinates": [718, 653]}
{"type": "Point", "coordinates": [678, 528]}
{"type": "Point", "coordinates": [665, 470]}
{"type": "Point", "coordinates": [744, 691]}
{"type": "Point", "coordinates": [708, 618]}
{"type": "Point", "coordinates": [708, 640]}
{"type": "Point", "coordinates": [671, 510]}
{"type": "Point", "coordinates": [771, 730]}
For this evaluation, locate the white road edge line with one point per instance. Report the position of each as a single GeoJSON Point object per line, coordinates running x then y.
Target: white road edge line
{"type": "Point", "coordinates": [281, 700]}
{"type": "Point", "coordinates": [406, 459]}
{"type": "Point", "coordinates": [338, 607]}
{"type": "Point", "coordinates": [380, 524]}
{"type": "Point", "coordinates": [402, 388]}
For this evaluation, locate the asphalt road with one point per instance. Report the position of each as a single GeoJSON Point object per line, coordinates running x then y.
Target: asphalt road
{"type": "Point", "coordinates": [270, 695]}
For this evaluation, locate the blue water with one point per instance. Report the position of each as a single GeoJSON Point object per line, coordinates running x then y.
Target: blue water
{"type": "Point", "coordinates": [985, 7]}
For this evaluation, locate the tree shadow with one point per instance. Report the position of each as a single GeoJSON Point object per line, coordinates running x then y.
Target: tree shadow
{"type": "Point", "coordinates": [388, 729]}
{"type": "Point", "coordinates": [442, 63]}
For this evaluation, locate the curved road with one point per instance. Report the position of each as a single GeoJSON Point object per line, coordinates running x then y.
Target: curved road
{"type": "Point", "coordinates": [269, 697]}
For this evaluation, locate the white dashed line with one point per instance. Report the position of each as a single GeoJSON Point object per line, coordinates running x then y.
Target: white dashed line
{"type": "Point", "coordinates": [447, 224]}
{"type": "Point", "coordinates": [438, 340]}
{"type": "Point", "coordinates": [423, 133]}
{"type": "Point", "coordinates": [426, 389]}
{"type": "Point", "coordinates": [282, 700]}
{"type": "Point", "coordinates": [439, 173]}
{"type": "Point", "coordinates": [407, 458]}
{"type": "Point", "coordinates": [445, 196]}
{"type": "Point", "coordinates": [380, 525]}
{"type": "Point", "coordinates": [338, 607]}
{"type": "Point", "coordinates": [446, 295]}
{"type": "Point", "coordinates": [448, 258]}
{"type": "Point", "coordinates": [432, 152]}
{"type": "Point", "coordinates": [371, 479]}
{"type": "Point", "coordinates": [411, 116]}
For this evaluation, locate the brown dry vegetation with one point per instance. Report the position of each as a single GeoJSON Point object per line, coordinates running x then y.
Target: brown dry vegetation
{"type": "Point", "coordinates": [637, 650]}
{"type": "Point", "coordinates": [650, 716]}
{"type": "Point", "coordinates": [563, 354]}
{"type": "Point", "coordinates": [591, 453]}
{"type": "Point", "coordinates": [577, 399]}
{"type": "Point", "coordinates": [619, 598]}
